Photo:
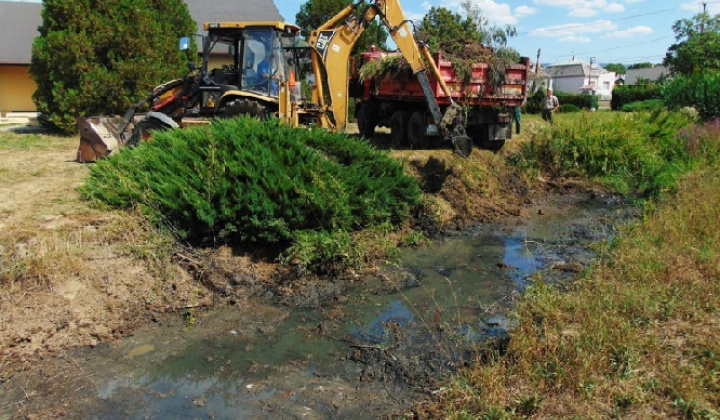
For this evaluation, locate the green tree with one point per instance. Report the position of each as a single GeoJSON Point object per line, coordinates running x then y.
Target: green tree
{"type": "Point", "coordinates": [97, 57]}
{"type": "Point", "coordinates": [314, 13]}
{"type": "Point", "coordinates": [489, 34]}
{"type": "Point", "coordinates": [441, 24]}
{"type": "Point", "coordinates": [618, 68]}
{"type": "Point", "coordinates": [643, 65]}
{"type": "Point", "coordinates": [697, 46]}
{"type": "Point", "coordinates": [700, 90]}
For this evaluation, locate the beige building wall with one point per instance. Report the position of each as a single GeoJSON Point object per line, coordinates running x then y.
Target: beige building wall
{"type": "Point", "coordinates": [16, 89]}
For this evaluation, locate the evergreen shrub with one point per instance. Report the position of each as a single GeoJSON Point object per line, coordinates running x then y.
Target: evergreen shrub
{"type": "Point", "coordinates": [97, 58]}
{"type": "Point", "coordinates": [647, 105]}
{"type": "Point", "coordinates": [625, 94]}
{"type": "Point", "coordinates": [243, 180]}
{"type": "Point", "coordinates": [568, 108]}
{"type": "Point", "coordinates": [580, 101]}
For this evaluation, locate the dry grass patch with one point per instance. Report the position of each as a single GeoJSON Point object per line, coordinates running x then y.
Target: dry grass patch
{"type": "Point", "coordinates": [71, 274]}
{"type": "Point", "coordinates": [638, 337]}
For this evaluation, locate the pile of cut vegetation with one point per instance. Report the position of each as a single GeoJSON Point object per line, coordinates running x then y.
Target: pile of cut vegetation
{"type": "Point", "coordinates": [461, 53]}
{"type": "Point", "coordinates": [247, 181]}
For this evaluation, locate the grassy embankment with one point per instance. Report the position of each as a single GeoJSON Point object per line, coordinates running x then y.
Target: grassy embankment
{"type": "Point", "coordinates": [638, 334]}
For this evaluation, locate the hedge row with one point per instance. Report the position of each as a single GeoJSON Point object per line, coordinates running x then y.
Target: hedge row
{"type": "Point", "coordinates": [243, 180]}
{"type": "Point", "coordinates": [633, 93]}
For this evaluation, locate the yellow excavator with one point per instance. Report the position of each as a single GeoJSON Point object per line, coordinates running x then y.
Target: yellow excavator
{"type": "Point", "coordinates": [259, 68]}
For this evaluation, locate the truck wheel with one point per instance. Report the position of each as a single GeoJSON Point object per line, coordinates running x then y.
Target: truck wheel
{"type": "Point", "coordinates": [493, 146]}
{"type": "Point", "coordinates": [398, 128]}
{"type": "Point", "coordinates": [416, 131]}
{"type": "Point", "coordinates": [238, 107]}
{"type": "Point", "coordinates": [366, 120]}
{"type": "Point", "coordinates": [143, 131]}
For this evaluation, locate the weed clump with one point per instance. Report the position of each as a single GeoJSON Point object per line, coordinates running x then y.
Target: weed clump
{"type": "Point", "coordinates": [636, 153]}
{"type": "Point", "coordinates": [246, 181]}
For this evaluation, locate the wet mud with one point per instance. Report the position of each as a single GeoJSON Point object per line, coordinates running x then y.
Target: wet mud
{"type": "Point", "coordinates": [366, 346]}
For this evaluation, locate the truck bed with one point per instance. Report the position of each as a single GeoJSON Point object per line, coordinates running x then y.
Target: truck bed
{"type": "Point", "coordinates": [478, 93]}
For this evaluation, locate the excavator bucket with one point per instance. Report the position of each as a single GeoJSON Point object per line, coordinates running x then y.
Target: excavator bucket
{"type": "Point", "coordinates": [99, 136]}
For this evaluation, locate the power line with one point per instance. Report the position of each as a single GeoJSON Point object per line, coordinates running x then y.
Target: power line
{"type": "Point", "coordinates": [600, 22]}
{"type": "Point", "coordinates": [615, 48]}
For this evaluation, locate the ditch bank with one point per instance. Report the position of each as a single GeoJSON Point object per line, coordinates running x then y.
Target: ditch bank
{"type": "Point", "coordinates": [369, 344]}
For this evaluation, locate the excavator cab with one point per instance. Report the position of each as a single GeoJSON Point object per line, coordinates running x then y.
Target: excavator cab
{"type": "Point", "coordinates": [250, 60]}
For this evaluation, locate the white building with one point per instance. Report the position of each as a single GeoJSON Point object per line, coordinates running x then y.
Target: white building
{"type": "Point", "coordinates": [579, 77]}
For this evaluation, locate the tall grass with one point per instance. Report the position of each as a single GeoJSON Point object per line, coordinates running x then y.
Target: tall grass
{"type": "Point", "coordinates": [636, 153]}
{"type": "Point", "coordinates": [638, 336]}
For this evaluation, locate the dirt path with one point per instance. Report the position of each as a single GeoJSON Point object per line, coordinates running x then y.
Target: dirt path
{"type": "Point", "coordinates": [71, 275]}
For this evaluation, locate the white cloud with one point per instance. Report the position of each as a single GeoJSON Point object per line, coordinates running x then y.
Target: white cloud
{"type": "Point", "coordinates": [615, 8]}
{"type": "Point", "coordinates": [575, 39]}
{"type": "Point", "coordinates": [582, 12]}
{"type": "Point", "coordinates": [585, 8]}
{"type": "Point", "coordinates": [521, 11]}
{"type": "Point", "coordinates": [574, 29]}
{"type": "Point", "coordinates": [627, 33]}
{"type": "Point", "coordinates": [556, 3]}
{"type": "Point", "coordinates": [498, 13]}
{"type": "Point", "coordinates": [713, 6]}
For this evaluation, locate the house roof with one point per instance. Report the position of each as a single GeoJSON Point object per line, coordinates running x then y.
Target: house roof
{"type": "Point", "coordinates": [573, 68]}
{"type": "Point", "coordinates": [652, 74]}
{"type": "Point", "coordinates": [232, 10]}
{"type": "Point", "coordinates": [19, 21]}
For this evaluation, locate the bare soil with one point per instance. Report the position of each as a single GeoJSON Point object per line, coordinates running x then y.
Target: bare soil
{"type": "Point", "coordinates": [76, 275]}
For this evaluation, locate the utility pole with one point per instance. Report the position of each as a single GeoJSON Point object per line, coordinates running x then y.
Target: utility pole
{"type": "Point", "coordinates": [702, 24]}
{"type": "Point", "coordinates": [537, 70]}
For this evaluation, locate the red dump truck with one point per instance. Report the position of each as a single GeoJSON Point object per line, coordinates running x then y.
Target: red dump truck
{"type": "Point", "coordinates": [399, 103]}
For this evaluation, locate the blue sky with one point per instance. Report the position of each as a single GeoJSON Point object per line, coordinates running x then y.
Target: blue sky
{"type": "Point", "coordinates": [611, 31]}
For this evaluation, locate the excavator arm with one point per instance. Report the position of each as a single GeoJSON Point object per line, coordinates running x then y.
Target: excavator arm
{"type": "Point", "coordinates": [332, 43]}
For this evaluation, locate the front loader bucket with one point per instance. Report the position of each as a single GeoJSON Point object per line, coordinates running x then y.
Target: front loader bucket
{"type": "Point", "coordinates": [99, 137]}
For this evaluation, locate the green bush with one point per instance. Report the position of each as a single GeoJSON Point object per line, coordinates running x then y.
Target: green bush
{"type": "Point", "coordinates": [568, 108]}
{"type": "Point", "coordinates": [580, 101]}
{"type": "Point", "coordinates": [96, 58]}
{"type": "Point", "coordinates": [647, 105]}
{"type": "Point", "coordinates": [534, 102]}
{"type": "Point", "coordinates": [633, 93]}
{"type": "Point", "coordinates": [701, 91]}
{"type": "Point", "coordinates": [243, 180]}
{"type": "Point", "coordinates": [633, 153]}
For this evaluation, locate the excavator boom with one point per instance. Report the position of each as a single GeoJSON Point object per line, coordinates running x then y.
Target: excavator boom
{"type": "Point", "coordinates": [332, 43]}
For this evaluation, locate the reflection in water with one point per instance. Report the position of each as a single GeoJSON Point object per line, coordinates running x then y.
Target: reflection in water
{"type": "Point", "coordinates": [464, 284]}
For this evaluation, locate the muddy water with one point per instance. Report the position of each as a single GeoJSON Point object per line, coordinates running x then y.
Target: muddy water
{"type": "Point", "coordinates": [388, 343]}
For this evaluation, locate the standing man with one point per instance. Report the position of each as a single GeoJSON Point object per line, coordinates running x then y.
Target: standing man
{"type": "Point", "coordinates": [515, 117]}
{"type": "Point", "coordinates": [549, 105]}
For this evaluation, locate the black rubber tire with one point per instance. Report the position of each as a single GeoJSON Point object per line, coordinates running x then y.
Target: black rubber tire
{"type": "Point", "coordinates": [143, 129]}
{"type": "Point", "coordinates": [366, 120]}
{"type": "Point", "coordinates": [493, 146]}
{"type": "Point", "coordinates": [398, 128]}
{"type": "Point", "coordinates": [416, 131]}
{"type": "Point", "coordinates": [237, 107]}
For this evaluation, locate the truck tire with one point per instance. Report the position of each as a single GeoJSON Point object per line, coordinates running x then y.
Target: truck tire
{"type": "Point", "coordinates": [238, 107]}
{"type": "Point", "coordinates": [143, 129]}
{"type": "Point", "coordinates": [398, 128]}
{"type": "Point", "coordinates": [366, 120]}
{"type": "Point", "coordinates": [492, 145]}
{"type": "Point", "coordinates": [416, 131]}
